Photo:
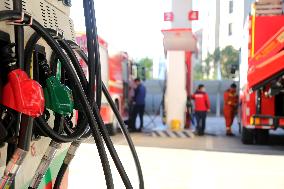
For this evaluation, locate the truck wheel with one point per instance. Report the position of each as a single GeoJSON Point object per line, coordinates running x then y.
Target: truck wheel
{"type": "Point", "coordinates": [113, 127]}
{"type": "Point", "coordinates": [247, 135]}
{"type": "Point", "coordinates": [262, 136]}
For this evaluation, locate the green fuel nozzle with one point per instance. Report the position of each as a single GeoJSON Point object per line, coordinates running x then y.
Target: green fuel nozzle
{"type": "Point", "coordinates": [58, 97]}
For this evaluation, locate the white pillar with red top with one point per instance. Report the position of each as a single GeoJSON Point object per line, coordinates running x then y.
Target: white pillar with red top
{"type": "Point", "coordinates": [179, 43]}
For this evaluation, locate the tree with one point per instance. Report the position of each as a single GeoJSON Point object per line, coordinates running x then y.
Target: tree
{"type": "Point", "coordinates": [207, 67]}
{"type": "Point", "coordinates": [216, 59]}
{"type": "Point", "coordinates": [229, 58]}
{"type": "Point", "coordinates": [216, 55]}
{"type": "Point", "coordinates": [147, 63]}
{"type": "Point", "coordinates": [198, 73]}
{"type": "Point", "coordinates": [211, 64]}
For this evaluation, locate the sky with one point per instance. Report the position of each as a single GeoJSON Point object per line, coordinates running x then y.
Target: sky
{"type": "Point", "coordinates": [133, 26]}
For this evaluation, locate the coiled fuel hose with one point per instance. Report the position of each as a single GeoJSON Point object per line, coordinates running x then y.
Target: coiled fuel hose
{"type": "Point", "coordinates": [48, 130]}
{"type": "Point", "coordinates": [13, 15]}
{"type": "Point", "coordinates": [101, 125]}
{"type": "Point", "coordinates": [113, 153]}
{"type": "Point", "coordinates": [75, 145]}
{"type": "Point", "coordinates": [120, 120]}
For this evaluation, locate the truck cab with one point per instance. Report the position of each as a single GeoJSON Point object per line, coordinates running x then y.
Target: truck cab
{"type": "Point", "coordinates": [261, 76]}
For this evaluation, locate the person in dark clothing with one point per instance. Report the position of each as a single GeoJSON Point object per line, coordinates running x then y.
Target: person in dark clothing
{"type": "Point", "coordinates": [138, 105]}
{"type": "Point", "coordinates": [202, 106]}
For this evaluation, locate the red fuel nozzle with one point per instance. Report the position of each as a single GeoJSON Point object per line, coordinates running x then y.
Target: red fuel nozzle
{"type": "Point", "coordinates": [23, 94]}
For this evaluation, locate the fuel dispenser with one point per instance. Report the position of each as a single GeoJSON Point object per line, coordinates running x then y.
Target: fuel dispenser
{"type": "Point", "coordinates": [43, 88]}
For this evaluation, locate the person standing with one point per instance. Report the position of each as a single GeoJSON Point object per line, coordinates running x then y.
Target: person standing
{"type": "Point", "coordinates": [138, 105]}
{"type": "Point", "coordinates": [230, 107]}
{"type": "Point", "coordinates": [202, 106]}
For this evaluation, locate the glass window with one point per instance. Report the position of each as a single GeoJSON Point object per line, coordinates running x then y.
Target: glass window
{"type": "Point", "coordinates": [230, 29]}
{"type": "Point", "coordinates": [231, 6]}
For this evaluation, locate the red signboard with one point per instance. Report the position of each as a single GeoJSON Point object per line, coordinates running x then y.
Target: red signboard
{"type": "Point", "coordinates": [193, 15]}
{"type": "Point", "coordinates": [169, 16]}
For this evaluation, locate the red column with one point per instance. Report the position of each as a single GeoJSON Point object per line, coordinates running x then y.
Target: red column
{"type": "Point", "coordinates": [188, 73]}
{"type": "Point", "coordinates": [188, 111]}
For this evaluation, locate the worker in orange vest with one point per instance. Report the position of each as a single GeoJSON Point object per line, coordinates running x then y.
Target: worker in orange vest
{"type": "Point", "coordinates": [230, 107]}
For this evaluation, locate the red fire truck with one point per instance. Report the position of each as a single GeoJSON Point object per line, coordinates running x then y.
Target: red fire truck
{"type": "Point", "coordinates": [117, 74]}
{"type": "Point", "coordinates": [262, 75]}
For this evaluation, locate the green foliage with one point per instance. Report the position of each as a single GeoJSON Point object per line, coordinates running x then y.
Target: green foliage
{"type": "Point", "coordinates": [216, 55]}
{"type": "Point", "coordinates": [147, 63]}
{"type": "Point", "coordinates": [216, 58]}
{"type": "Point", "coordinates": [207, 66]}
{"type": "Point", "coordinates": [229, 58]}
{"type": "Point", "coordinates": [198, 72]}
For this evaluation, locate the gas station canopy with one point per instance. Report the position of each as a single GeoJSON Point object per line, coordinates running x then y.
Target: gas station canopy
{"type": "Point", "coordinates": [179, 39]}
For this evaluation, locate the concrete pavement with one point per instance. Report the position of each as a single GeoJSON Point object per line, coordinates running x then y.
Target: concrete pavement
{"type": "Point", "coordinates": [166, 168]}
{"type": "Point", "coordinates": [214, 139]}
{"type": "Point", "coordinates": [213, 161]}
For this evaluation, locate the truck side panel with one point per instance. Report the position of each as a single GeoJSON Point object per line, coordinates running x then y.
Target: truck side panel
{"type": "Point", "coordinates": [264, 28]}
{"type": "Point", "coordinates": [104, 58]}
{"type": "Point", "coordinates": [268, 105]}
{"type": "Point", "coordinates": [248, 108]}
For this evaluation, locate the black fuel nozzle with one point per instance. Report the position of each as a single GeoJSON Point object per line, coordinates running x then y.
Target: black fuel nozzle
{"type": "Point", "coordinates": [7, 55]}
{"type": "Point", "coordinates": [7, 121]}
{"type": "Point", "coordinates": [44, 69]}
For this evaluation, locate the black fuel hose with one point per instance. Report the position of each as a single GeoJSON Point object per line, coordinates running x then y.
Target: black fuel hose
{"type": "Point", "coordinates": [41, 31]}
{"type": "Point", "coordinates": [19, 36]}
{"type": "Point", "coordinates": [112, 151]}
{"type": "Point", "coordinates": [88, 110]}
{"type": "Point", "coordinates": [43, 125]}
{"type": "Point", "coordinates": [126, 135]}
{"type": "Point", "coordinates": [41, 122]}
{"type": "Point", "coordinates": [101, 124]}
{"type": "Point", "coordinates": [64, 45]}
{"type": "Point", "coordinates": [93, 47]}
{"type": "Point", "coordinates": [12, 15]}
{"type": "Point", "coordinates": [4, 15]}
{"type": "Point", "coordinates": [60, 175]}
{"type": "Point", "coordinates": [25, 126]}
{"type": "Point", "coordinates": [120, 120]}
{"type": "Point", "coordinates": [94, 57]}
{"type": "Point", "coordinates": [84, 81]}
{"type": "Point", "coordinates": [81, 128]}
